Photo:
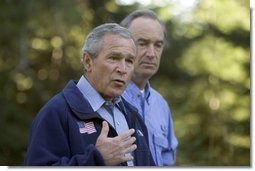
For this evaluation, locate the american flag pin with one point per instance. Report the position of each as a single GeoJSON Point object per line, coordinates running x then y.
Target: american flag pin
{"type": "Point", "coordinates": [86, 127]}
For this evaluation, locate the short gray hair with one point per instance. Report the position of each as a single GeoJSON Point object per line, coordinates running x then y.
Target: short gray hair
{"type": "Point", "coordinates": [143, 13]}
{"type": "Point", "coordinates": [92, 43]}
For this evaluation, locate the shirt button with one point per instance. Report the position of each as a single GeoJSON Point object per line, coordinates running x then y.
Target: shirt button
{"type": "Point", "coordinates": [118, 123]}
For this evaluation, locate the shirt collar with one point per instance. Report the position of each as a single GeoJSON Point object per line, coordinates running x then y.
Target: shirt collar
{"type": "Point", "coordinates": [94, 98]}
{"type": "Point", "coordinates": [135, 91]}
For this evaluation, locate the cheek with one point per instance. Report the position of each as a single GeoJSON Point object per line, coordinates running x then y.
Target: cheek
{"type": "Point", "coordinates": [104, 80]}
{"type": "Point", "coordinates": [159, 55]}
{"type": "Point", "coordinates": [140, 55]}
{"type": "Point", "coordinates": [100, 77]}
{"type": "Point", "coordinates": [138, 59]}
{"type": "Point", "coordinates": [129, 74]}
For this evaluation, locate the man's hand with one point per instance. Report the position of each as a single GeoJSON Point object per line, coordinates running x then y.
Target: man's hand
{"type": "Point", "coordinates": [113, 149]}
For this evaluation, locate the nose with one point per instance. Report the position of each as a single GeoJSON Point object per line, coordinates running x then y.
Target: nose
{"type": "Point", "coordinates": [121, 68]}
{"type": "Point", "coordinates": [150, 51]}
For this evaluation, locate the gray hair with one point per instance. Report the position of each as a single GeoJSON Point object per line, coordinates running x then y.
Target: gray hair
{"type": "Point", "coordinates": [92, 43]}
{"type": "Point", "coordinates": [143, 13]}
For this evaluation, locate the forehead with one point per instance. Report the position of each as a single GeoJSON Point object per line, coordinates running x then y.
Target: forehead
{"type": "Point", "coordinates": [111, 42]}
{"type": "Point", "coordinates": [146, 28]}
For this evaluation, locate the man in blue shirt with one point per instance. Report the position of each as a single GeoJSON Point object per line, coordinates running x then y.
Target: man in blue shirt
{"type": "Point", "coordinates": [149, 33]}
{"type": "Point", "coordinates": [88, 123]}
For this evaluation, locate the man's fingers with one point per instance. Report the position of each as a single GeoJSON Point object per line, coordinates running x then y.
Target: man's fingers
{"type": "Point", "coordinates": [126, 134]}
{"type": "Point", "coordinates": [128, 142]}
{"type": "Point", "coordinates": [105, 130]}
{"type": "Point", "coordinates": [130, 149]}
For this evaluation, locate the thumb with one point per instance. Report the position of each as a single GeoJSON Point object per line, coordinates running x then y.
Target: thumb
{"type": "Point", "coordinates": [105, 130]}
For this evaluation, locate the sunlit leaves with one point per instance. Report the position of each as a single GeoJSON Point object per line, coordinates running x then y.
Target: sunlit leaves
{"type": "Point", "coordinates": [227, 15]}
{"type": "Point", "coordinates": [216, 56]}
{"type": "Point", "coordinates": [22, 81]}
{"type": "Point", "coordinates": [40, 44]}
{"type": "Point", "coordinates": [238, 140]}
{"type": "Point", "coordinates": [56, 42]}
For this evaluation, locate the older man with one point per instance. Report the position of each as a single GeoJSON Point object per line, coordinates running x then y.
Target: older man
{"type": "Point", "coordinates": [88, 124]}
{"type": "Point", "coordinates": [149, 33]}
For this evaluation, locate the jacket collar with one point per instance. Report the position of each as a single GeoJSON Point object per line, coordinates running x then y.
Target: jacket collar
{"type": "Point", "coordinates": [81, 107]}
{"type": "Point", "coordinates": [78, 104]}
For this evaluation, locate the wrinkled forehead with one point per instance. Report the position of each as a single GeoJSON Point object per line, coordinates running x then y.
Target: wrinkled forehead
{"type": "Point", "coordinates": [146, 28]}
{"type": "Point", "coordinates": [118, 42]}
{"type": "Point", "coordinates": [116, 39]}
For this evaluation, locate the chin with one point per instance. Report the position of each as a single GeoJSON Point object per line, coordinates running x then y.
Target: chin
{"type": "Point", "coordinates": [118, 93]}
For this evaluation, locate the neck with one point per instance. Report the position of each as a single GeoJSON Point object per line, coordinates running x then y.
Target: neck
{"type": "Point", "coordinates": [140, 83]}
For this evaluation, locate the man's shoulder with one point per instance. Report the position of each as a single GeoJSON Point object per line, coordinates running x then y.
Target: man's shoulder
{"type": "Point", "coordinates": [53, 105]}
{"type": "Point", "coordinates": [156, 95]}
{"type": "Point", "coordinates": [57, 103]}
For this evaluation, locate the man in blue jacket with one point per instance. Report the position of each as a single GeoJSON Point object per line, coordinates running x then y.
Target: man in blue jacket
{"type": "Point", "coordinates": [149, 33]}
{"type": "Point", "coordinates": [88, 123]}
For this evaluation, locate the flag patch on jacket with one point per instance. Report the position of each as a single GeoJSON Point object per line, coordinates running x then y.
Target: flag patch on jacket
{"type": "Point", "coordinates": [86, 127]}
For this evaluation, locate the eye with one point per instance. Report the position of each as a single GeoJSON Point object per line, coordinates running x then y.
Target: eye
{"type": "Point", "coordinates": [130, 61]}
{"type": "Point", "coordinates": [141, 43]}
{"type": "Point", "coordinates": [159, 45]}
{"type": "Point", "coordinates": [113, 58]}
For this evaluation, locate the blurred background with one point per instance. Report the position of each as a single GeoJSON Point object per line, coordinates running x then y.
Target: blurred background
{"type": "Point", "coordinates": [204, 73]}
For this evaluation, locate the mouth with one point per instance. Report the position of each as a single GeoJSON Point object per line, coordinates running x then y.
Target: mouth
{"type": "Point", "coordinates": [148, 64]}
{"type": "Point", "coordinates": [119, 82]}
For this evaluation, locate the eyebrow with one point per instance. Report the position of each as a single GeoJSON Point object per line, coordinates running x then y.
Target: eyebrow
{"type": "Point", "coordinates": [147, 40]}
{"type": "Point", "coordinates": [121, 54]}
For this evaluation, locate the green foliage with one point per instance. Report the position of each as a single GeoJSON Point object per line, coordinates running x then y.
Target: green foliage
{"type": "Point", "coordinates": [204, 73]}
{"type": "Point", "coordinates": [206, 79]}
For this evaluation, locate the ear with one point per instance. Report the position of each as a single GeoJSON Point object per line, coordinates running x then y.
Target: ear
{"type": "Point", "coordinates": [87, 62]}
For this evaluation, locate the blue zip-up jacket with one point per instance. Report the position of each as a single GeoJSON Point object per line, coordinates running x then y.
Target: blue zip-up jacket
{"type": "Point", "coordinates": [55, 137]}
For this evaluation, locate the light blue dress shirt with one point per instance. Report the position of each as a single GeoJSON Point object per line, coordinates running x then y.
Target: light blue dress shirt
{"type": "Point", "coordinates": [116, 119]}
{"type": "Point", "coordinates": [157, 116]}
